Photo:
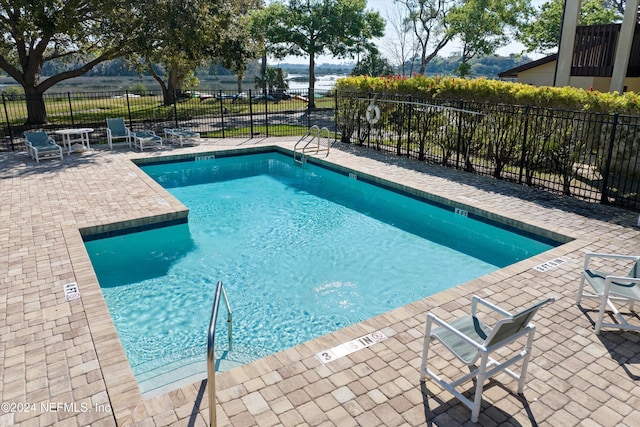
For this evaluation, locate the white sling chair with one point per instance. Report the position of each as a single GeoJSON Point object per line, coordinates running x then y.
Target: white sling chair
{"type": "Point", "coordinates": [472, 342]}
{"type": "Point", "coordinates": [610, 288]}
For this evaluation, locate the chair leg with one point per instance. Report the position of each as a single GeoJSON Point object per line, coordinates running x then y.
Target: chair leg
{"type": "Point", "coordinates": [425, 349]}
{"type": "Point", "coordinates": [482, 375]}
{"type": "Point", "coordinates": [525, 361]}
{"type": "Point", "coordinates": [580, 288]}
{"type": "Point", "coordinates": [603, 306]}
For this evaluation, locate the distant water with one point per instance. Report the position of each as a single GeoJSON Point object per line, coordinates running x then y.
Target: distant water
{"type": "Point", "coordinates": [323, 82]}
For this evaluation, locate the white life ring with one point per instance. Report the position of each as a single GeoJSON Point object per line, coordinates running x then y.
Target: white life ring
{"type": "Point", "coordinates": [373, 114]}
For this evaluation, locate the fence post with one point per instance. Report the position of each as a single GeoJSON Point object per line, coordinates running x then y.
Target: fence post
{"type": "Point", "coordinates": [175, 108]}
{"type": "Point", "coordinates": [604, 195]}
{"type": "Point", "coordinates": [308, 116]}
{"type": "Point", "coordinates": [266, 116]}
{"type": "Point", "coordinates": [335, 115]}
{"type": "Point", "coordinates": [459, 137]}
{"type": "Point", "coordinates": [524, 141]}
{"type": "Point", "coordinates": [369, 97]}
{"type": "Point", "coordinates": [221, 111]}
{"type": "Point", "coordinates": [6, 116]}
{"type": "Point", "coordinates": [70, 110]}
{"type": "Point", "coordinates": [250, 114]}
{"type": "Point", "coordinates": [409, 126]}
{"type": "Point", "coordinates": [126, 94]}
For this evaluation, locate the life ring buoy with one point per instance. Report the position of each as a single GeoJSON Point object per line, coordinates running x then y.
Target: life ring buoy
{"type": "Point", "coordinates": [373, 114]}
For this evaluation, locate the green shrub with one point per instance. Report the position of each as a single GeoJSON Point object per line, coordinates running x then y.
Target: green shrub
{"type": "Point", "coordinates": [495, 91]}
{"type": "Point", "coordinates": [138, 89]}
{"type": "Point", "coordinates": [13, 92]}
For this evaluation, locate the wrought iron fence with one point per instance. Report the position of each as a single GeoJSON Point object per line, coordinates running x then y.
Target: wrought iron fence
{"type": "Point", "coordinates": [213, 114]}
{"type": "Point", "coordinates": [591, 156]}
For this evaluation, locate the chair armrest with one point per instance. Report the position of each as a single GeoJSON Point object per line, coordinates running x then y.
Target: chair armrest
{"type": "Point", "coordinates": [589, 255]}
{"type": "Point", "coordinates": [435, 319]}
{"type": "Point", "coordinates": [621, 279]}
{"type": "Point", "coordinates": [476, 299]}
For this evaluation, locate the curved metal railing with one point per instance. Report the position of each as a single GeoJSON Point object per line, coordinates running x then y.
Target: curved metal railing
{"type": "Point", "coordinates": [211, 358]}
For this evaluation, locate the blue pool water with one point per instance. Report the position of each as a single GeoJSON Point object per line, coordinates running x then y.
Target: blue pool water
{"type": "Point", "coordinates": [301, 251]}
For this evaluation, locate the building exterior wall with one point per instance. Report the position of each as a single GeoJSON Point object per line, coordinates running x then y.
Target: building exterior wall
{"type": "Point", "coordinates": [543, 76]}
{"type": "Point", "coordinates": [538, 76]}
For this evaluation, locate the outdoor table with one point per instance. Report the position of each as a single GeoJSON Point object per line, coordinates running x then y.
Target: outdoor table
{"type": "Point", "coordinates": [71, 136]}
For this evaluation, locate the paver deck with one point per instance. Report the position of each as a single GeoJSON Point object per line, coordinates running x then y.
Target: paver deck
{"type": "Point", "coordinates": [63, 364]}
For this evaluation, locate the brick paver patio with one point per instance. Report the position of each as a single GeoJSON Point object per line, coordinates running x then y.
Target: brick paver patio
{"type": "Point", "coordinates": [63, 364]}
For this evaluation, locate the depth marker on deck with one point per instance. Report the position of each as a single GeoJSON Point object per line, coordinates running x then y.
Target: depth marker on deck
{"type": "Point", "coordinates": [71, 291]}
{"type": "Point", "coordinates": [350, 347]}
{"type": "Point", "coordinates": [550, 264]}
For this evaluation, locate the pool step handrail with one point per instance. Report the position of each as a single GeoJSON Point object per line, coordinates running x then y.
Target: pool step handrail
{"type": "Point", "coordinates": [322, 139]}
{"type": "Point", "coordinates": [211, 339]}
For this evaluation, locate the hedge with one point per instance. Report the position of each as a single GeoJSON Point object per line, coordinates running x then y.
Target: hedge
{"type": "Point", "coordinates": [495, 92]}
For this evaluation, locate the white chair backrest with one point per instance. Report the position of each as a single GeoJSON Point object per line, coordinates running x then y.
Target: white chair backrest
{"type": "Point", "coordinates": [117, 126]}
{"type": "Point", "coordinates": [509, 327]}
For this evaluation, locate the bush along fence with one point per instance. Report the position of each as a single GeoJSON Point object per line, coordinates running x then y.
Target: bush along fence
{"type": "Point", "coordinates": [213, 114]}
{"type": "Point", "coordinates": [591, 156]}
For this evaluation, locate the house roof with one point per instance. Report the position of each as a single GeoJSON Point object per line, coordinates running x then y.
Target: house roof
{"type": "Point", "coordinates": [513, 72]}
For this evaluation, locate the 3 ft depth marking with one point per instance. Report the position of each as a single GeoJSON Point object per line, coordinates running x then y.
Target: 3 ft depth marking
{"type": "Point", "coordinates": [350, 347]}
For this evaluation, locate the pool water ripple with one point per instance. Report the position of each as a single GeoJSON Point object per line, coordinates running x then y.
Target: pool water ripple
{"type": "Point", "coordinates": [296, 254]}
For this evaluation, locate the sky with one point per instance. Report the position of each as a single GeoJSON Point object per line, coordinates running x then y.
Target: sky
{"type": "Point", "coordinates": [386, 8]}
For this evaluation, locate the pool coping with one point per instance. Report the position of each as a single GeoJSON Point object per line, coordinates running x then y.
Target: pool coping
{"type": "Point", "coordinates": [181, 216]}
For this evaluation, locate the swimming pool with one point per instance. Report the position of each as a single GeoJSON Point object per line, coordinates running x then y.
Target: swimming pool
{"type": "Point", "coordinates": [301, 251]}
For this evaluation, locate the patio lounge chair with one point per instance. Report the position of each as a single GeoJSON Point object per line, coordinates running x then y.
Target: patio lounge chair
{"type": "Point", "coordinates": [40, 145]}
{"type": "Point", "coordinates": [180, 136]}
{"type": "Point", "coordinates": [116, 130]}
{"type": "Point", "coordinates": [472, 342]}
{"type": "Point", "coordinates": [610, 288]}
{"type": "Point", "coordinates": [146, 139]}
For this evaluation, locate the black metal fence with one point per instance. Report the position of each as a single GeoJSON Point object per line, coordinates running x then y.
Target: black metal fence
{"type": "Point", "coordinates": [213, 114]}
{"type": "Point", "coordinates": [591, 156]}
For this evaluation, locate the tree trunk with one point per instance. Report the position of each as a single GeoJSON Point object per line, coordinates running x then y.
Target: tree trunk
{"type": "Point", "coordinates": [312, 81]}
{"type": "Point", "coordinates": [36, 110]}
{"type": "Point", "coordinates": [172, 87]}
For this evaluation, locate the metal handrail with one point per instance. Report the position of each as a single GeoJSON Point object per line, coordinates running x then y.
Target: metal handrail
{"type": "Point", "coordinates": [313, 132]}
{"type": "Point", "coordinates": [211, 339]}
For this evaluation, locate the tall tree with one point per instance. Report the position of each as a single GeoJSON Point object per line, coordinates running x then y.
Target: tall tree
{"type": "Point", "coordinates": [182, 35]}
{"type": "Point", "coordinates": [429, 22]}
{"type": "Point", "coordinates": [401, 45]}
{"type": "Point", "coordinates": [543, 33]}
{"type": "Point", "coordinates": [315, 27]}
{"type": "Point", "coordinates": [81, 32]}
{"type": "Point", "coordinates": [374, 65]}
{"type": "Point", "coordinates": [484, 26]}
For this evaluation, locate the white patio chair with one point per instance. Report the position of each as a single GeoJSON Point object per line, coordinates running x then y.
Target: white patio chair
{"type": "Point", "coordinates": [610, 288]}
{"type": "Point", "coordinates": [40, 145]}
{"type": "Point", "coordinates": [473, 342]}
{"type": "Point", "coordinates": [117, 130]}
{"type": "Point", "coordinates": [146, 139]}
